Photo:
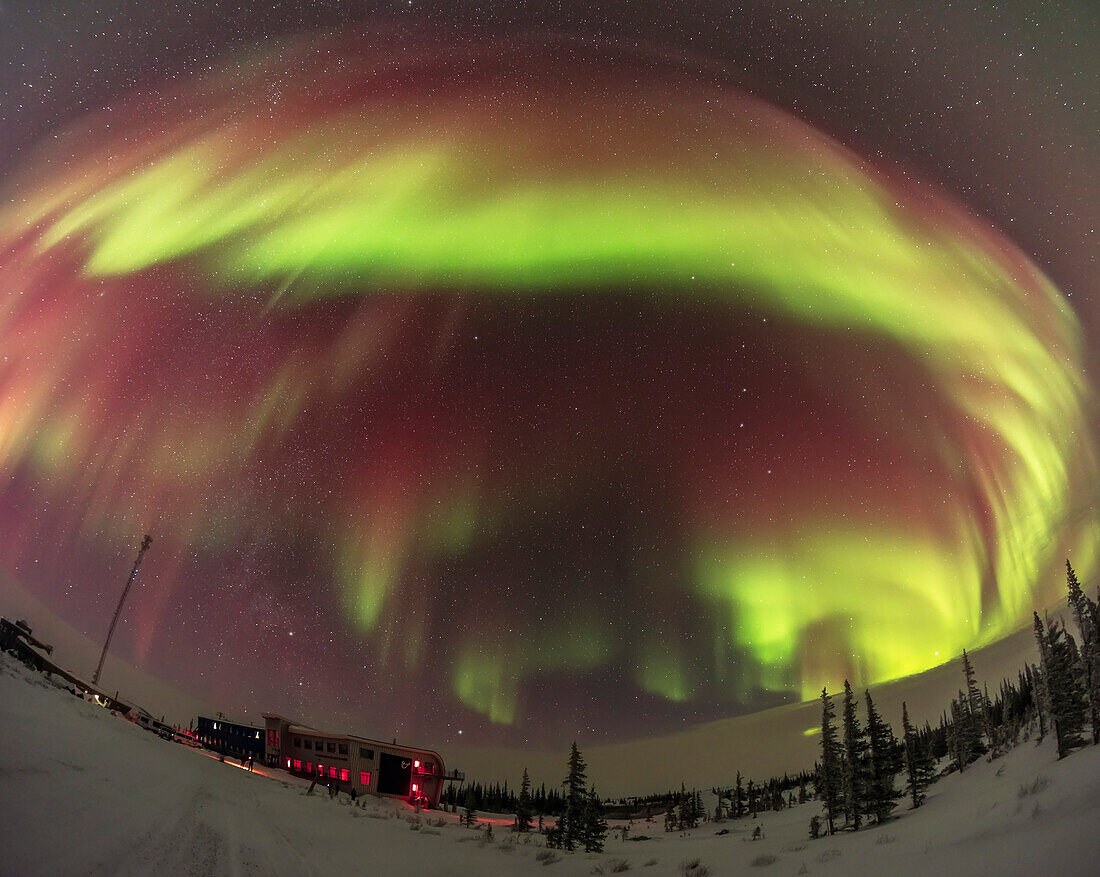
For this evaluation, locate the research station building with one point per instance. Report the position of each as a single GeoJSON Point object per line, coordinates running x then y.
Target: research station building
{"type": "Point", "coordinates": [230, 738]}
{"type": "Point", "coordinates": [359, 763]}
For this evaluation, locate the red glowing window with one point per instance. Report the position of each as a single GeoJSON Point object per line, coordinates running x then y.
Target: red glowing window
{"type": "Point", "coordinates": [332, 773]}
{"type": "Point", "coordinates": [273, 739]}
{"type": "Point", "coordinates": [309, 767]}
{"type": "Point", "coordinates": [364, 777]}
{"type": "Point", "coordinates": [297, 764]}
{"type": "Point", "coordinates": [343, 775]}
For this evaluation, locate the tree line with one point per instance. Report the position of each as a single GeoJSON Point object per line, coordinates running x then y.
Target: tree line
{"type": "Point", "coordinates": [856, 777]}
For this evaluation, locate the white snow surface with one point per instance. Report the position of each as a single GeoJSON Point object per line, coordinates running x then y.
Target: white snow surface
{"type": "Point", "coordinates": [87, 793]}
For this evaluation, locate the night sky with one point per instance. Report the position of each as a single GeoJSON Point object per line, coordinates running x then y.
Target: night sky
{"type": "Point", "coordinates": [534, 372]}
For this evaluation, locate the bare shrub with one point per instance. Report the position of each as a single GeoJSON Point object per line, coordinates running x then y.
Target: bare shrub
{"type": "Point", "coordinates": [1034, 787]}
{"type": "Point", "coordinates": [547, 857]}
{"type": "Point", "coordinates": [694, 868]}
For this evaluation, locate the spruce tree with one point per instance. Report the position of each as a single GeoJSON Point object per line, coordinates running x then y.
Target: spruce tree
{"type": "Point", "coordinates": [854, 772]}
{"type": "Point", "coordinates": [686, 818]}
{"type": "Point", "coordinates": [1087, 617]}
{"type": "Point", "coordinates": [962, 732]}
{"type": "Point", "coordinates": [829, 778]}
{"type": "Point", "coordinates": [1068, 707]}
{"type": "Point", "coordinates": [738, 798]}
{"type": "Point", "coordinates": [919, 766]}
{"type": "Point", "coordinates": [576, 796]}
{"type": "Point", "coordinates": [1042, 682]}
{"type": "Point", "coordinates": [524, 804]}
{"type": "Point", "coordinates": [975, 713]}
{"type": "Point", "coordinates": [594, 826]}
{"type": "Point", "coordinates": [882, 746]}
{"type": "Point", "coordinates": [1039, 699]}
{"type": "Point", "coordinates": [671, 822]}
{"type": "Point", "coordinates": [469, 816]}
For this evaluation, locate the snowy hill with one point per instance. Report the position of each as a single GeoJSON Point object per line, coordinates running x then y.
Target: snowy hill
{"type": "Point", "coordinates": [86, 792]}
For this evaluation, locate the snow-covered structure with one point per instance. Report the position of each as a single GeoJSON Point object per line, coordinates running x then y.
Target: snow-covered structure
{"type": "Point", "coordinates": [351, 762]}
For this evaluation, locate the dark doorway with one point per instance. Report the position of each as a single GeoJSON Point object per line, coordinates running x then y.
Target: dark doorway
{"type": "Point", "coordinates": [394, 774]}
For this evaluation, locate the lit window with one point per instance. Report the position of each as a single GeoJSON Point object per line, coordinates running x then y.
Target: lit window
{"type": "Point", "coordinates": [416, 764]}
{"type": "Point", "coordinates": [416, 788]}
{"type": "Point", "coordinates": [297, 764]}
{"type": "Point", "coordinates": [288, 764]}
{"type": "Point", "coordinates": [332, 773]}
{"type": "Point", "coordinates": [344, 775]}
{"type": "Point", "coordinates": [364, 777]}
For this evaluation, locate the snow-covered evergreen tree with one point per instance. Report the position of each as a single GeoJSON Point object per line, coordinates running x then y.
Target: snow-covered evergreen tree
{"type": "Point", "coordinates": [919, 766]}
{"type": "Point", "coordinates": [975, 714]}
{"type": "Point", "coordinates": [576, 797]}
{"type": "Point", "coordinates": [962, 732]}
{"type": "Point", "coordinates": [1087, 617]}
{"type": "Point", "coordinates": [1040, 696]}
{"type": "Point", "coordinates": [687, 817]}
{"type": "Point", "coordinates": [738, 798]}
{"type": "Point", "coordinates": [880, 797]}
{"type": "Point", "coordinates": [671, 821]}
{"type": "Point", "coordinates": [523, 804]}
{"type": "Point", "coordinates": [854, 768]}
{"type": "Point", "coordinates": [594, 826]}
{"type": "Point", "coordinates": [469, 815]}
{"type": "Point", "coordinates": [1068, 707]}
{"type": "Point", "coordinates": [829, 780]}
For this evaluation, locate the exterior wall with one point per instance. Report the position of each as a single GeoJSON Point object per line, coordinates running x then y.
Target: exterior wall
{"type": "Point", "coordinates": [287, 744]}
{"type": "Point", "coordinates": [275, 736]}
{"type": "Point", "coordinates": [229, 737]}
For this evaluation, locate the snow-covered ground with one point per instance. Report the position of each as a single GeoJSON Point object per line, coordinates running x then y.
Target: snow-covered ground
{"type": "Point", "coordinates": [85, 792]}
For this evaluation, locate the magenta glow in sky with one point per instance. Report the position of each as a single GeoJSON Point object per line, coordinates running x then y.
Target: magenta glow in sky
{"type": "Point", "coordinates": [459, 395]}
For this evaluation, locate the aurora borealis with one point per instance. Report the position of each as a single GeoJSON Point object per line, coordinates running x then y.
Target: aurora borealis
{"type": "Point", "coordinates": [457, 393]}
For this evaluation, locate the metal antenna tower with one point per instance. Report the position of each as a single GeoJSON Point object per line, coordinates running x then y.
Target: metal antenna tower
{"type": "Point", "coordinates": [145, 543]}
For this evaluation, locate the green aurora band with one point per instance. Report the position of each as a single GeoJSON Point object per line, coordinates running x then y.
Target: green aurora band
{"type": "Point", "coordinates": [685, 195]}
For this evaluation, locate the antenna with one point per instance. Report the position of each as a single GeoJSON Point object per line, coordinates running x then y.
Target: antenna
{"type": "Point", "coordinates": [145, 543]}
